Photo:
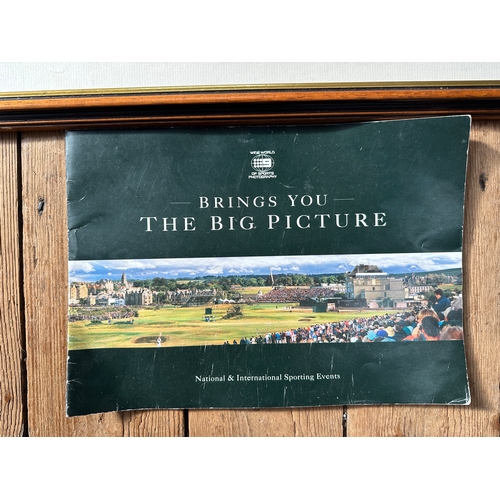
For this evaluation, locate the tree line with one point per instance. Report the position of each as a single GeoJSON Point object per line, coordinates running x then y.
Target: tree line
{"type": "Point", "coordinates": [225, 283]}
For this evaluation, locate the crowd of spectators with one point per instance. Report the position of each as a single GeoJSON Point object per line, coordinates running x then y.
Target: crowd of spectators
{"type": "Point", "coordinates": [419, 324]}
{"type": "Point", "coordinates": [294, 294]}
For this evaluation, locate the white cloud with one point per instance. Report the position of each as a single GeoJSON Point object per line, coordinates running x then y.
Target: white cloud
{"type": "Point", "coordinates": [214, 270]}
{"type": "Point", "coordinates": [149, 268]}
{"type": "Point", "coordinates": [81, 277]}
{"type": "Point", "coordinates": [81, 265]}
{"type": "Point", "coordinates": [124, 265]}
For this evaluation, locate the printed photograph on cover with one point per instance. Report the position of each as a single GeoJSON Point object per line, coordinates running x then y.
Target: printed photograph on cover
{"type": "Point", "coordinates": [265, 300]}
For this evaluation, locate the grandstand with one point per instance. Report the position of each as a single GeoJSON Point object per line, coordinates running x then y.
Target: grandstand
{"type": "Point", "coordinates": [297, 294]}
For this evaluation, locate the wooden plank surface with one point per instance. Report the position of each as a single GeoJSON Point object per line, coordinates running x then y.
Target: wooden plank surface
{"type": "Point", "coordinates": [45, 256]}
{"type": "Point", "coordinates": [45, 291]}
{"type": "Point", "coordinates": [11, 336]}
{"type": "Point", "coordinates": [481, 270]}
{"type": "Point", "coordinates": [296, 422]}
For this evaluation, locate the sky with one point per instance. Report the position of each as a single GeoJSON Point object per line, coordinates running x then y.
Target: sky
{"type": "Point", "coordinates": [225, 266]}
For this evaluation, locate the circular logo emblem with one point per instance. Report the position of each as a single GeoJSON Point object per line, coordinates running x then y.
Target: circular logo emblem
{"type": "Point", "coordinates": [262, 163]}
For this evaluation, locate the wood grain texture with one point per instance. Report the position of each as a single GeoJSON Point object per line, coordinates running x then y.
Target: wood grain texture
{"type": "Point", "coordinates": [481, 266]}
{"type": "Point", "coordinates": [246, 95]}
{"type": "Point", "coordinates": [45, 296]}
{"type": "Point", "coordinates": [286, 422]}
{"type": "Point", "coordinates": [11, 342]}
{"type": "Point", "coordinates": [45, 256]}
{"type": "Point", "coordinates": [244, 106]}
{"type": "Point", "coordinates": [153, 423]}
{"type": "Point", "coordinates": [165, 118]}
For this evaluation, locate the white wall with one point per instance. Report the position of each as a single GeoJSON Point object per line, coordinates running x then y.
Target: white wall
{"type": "Point", "coordinates": [38, 76]}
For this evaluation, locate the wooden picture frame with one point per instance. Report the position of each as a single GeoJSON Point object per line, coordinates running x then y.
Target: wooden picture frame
{"type": "Point", "coordinates": [33, 252]}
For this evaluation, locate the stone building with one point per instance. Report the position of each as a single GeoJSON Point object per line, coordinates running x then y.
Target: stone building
{"type": "Point", "coordinates": [124, 281]}
{"type": "Point", "coordinates": [418, 289]}
{"type": "Point", "coordinates": [78, 291]}
{"type": "Point", "coordinates": [103, 299]}
{"type": "Point", "coordinates": [106, 285]}
{"type": "Point", "coordinates": [141, 297]}
{"type": "Point", "coordinates": [372, 284]}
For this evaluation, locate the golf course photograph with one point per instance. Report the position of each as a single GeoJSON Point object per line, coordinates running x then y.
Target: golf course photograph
{"type": "Point", "coordinates": [254, 300]}
{"type": "Point", "coordinates": [171, 326]}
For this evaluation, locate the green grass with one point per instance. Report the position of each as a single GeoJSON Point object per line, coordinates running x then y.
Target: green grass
{"type": "Point", "coordinates": [187, 327]}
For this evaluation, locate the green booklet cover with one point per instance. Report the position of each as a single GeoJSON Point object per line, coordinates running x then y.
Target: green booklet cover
{"type": "Point", "coordinates": [267, 266]}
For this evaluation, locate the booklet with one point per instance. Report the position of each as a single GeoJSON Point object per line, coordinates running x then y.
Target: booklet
{"type": "Point", "coordinates": [266, 266]}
